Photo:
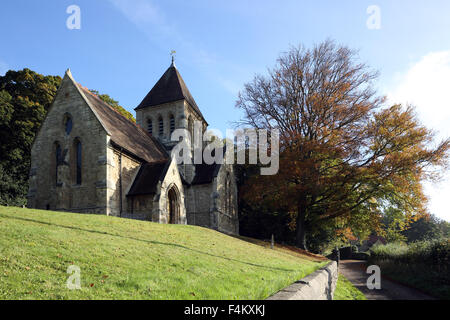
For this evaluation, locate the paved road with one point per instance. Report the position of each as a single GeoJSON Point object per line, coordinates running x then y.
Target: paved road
{"type": "Point", "coordinates": [355, 272]}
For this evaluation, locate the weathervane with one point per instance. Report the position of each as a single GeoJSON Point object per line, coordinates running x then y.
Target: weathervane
{"type": "Point", "coordinates": [173, 53]}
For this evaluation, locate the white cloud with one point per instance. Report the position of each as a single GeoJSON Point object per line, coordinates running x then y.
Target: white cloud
{"type": "Point", "coordinates": [145, 16]}
{"type": "Point", "coordinates": [426, 86]}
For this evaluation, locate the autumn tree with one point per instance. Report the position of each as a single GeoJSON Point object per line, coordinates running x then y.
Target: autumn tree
{"type": "Point", "coordinates": [344, 155]}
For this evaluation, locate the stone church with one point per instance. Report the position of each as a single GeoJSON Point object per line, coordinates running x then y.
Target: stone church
{"type": "Point", "coordinates": [88, 158]}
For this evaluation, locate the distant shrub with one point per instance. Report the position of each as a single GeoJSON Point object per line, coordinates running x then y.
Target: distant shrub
{"type": "Point", "coordinates": [435, 253]}
{"type": "Point", "coordinates": [390, 251]}
{"type": "Point", "coordinates": [423, 264]}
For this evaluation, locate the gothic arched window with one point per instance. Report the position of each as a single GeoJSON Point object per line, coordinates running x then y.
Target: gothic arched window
{"type": "Point", "coordinates": [78, 156]}
{"type": "Point", "coordinates": [172, 123]}
{"type": "Point", "coordinates": [150, 126]}
{"type": "Point", "coordinates": [161, 126]}
{"type": "Point", "coordinates": [68, 123]}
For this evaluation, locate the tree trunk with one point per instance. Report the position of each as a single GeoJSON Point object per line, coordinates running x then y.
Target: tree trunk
{"type": "Point", "coordinates": [300, 239]}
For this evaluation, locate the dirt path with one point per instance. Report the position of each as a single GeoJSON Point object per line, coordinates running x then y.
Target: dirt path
{"type": "Point", "coordinates": [355, 272]}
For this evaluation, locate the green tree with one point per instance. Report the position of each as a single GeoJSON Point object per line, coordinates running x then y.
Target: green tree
{"type": "Point", "coordinates": [394, 224]}
{"type": "Point", "coordinates": [115, 104]}
{"type": "Point", "coordinates": [427, 228]}
{"type": "Point", "coordinates": [25, 97]}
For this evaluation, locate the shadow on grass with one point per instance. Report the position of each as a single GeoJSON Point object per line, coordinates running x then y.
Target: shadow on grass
{"type": "Point", "coordinates": [146, 241]}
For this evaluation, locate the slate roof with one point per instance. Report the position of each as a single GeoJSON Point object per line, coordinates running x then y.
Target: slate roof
{"type": "Point", "coordinates": [148, 177]}
{"type": "Point", "coordinates": [169, 88]}
{"type": "Point", "coordinates": [124, 132]}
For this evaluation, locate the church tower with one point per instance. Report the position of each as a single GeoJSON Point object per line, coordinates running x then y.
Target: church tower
{"type": "Point", "coordinates": [168, 106]}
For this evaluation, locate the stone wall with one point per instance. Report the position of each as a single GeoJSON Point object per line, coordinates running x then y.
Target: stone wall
{"type": "Point", "coordinates": [155, 112]}
{"type": "Point", "coordinates": [212, 205]}
{"type": "Point", "coordinates": [226, 202]}
{"type": "Point", "coordinates": [119, 164]}
{"type": "Point", "coordinates": [140, 207]}
{"type": "Point", "coordinates": [319, 285]}
{"type": "Point", "coordinates": [59, 191]}
{"type": "Point", "coordinates": [198, 205]}
{"type": "Point", "coordinates": [181, 111]}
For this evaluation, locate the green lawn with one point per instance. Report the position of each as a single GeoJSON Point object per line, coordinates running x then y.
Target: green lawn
{"type": "Point", "coordinates": [128, 259]}
{"type": "Point", "coordinates": [346, 291]}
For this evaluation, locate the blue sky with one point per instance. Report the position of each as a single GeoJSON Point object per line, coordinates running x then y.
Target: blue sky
{"type": "Point", "coordinates": [123, 48]}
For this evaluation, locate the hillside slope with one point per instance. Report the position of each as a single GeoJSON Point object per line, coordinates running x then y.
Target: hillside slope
{"type": "Point", "coordinates": [128, 259]}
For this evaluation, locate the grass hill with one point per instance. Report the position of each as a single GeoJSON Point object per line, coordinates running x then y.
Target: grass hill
{"type": "Point", "coordinates": [128, 259]}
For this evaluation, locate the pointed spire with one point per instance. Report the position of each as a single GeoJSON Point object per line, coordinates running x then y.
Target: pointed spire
{"type": "Point", "coordinates": [169, 88]}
